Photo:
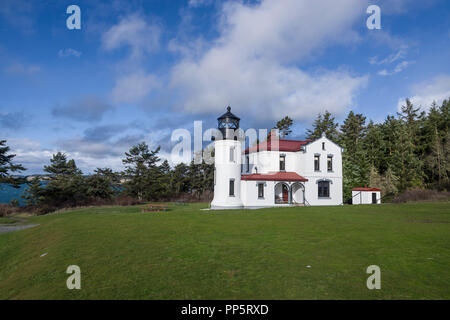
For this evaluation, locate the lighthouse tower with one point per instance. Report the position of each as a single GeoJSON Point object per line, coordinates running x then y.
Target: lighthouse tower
{"type": "Point", "coordinates": [227, 164]}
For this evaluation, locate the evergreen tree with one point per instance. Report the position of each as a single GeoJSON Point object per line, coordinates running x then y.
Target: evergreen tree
{"type": "Point", "coordinates": [140, 173]}
{"type": "Point", "coordinates": [284, 126]}
{"type": "Point", "coordinates": [324, 124]}
{"type": "Point", "coordinates": [103, 184]}
{"type": "Point", "coordinates": [34, 194]}
{"type": "Point", "coordinates": [374, 147]}
{"type": "Point", "coordinates": [355, 164]}
{"type": "Point", "coordinates": [60, 166]}
{"type": "Point", "coordinates": [7, 166]}
{"type": "Point", "coordinates": [179, 179]}
{"type": "Point", "coordinates": [353, 131]}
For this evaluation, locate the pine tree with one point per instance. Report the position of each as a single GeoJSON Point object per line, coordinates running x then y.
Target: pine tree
{"type": "Point", "coordinates": [354, 160]}
{"type": "Point", "coordinates": [140, 164]}
{"type": "Point", "coordinates": [353, 131]}
{"type": "Point", "coordinates": [7, 166]}
{"type": "Point", "coordinates": [284, 126]}
{"type": "Point", "coordinates": [324, 124]}
{"type": "Point", "coordinates": [34, 194]}
{"type": "Point", "coordinates": [60, 166]}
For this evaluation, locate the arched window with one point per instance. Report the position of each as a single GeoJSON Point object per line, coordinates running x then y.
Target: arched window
{"type": "Point", "coordinates": [324, 189]}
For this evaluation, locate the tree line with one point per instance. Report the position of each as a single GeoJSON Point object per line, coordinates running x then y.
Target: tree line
{"type": "Point", "coordinates": [407, 151]}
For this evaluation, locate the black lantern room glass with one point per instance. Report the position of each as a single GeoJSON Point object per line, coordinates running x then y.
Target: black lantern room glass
{"type": "Point", "coordinates": [228, 122]}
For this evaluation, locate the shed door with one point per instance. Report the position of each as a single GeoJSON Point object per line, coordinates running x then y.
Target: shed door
{"type": "Point", "coordinates": [374, 197]}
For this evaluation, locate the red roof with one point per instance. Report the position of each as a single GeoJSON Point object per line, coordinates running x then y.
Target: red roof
{"type": "Point", "coordinates": [366, 189]}
{"type": "Point", "coordinates": [284, 145]}
{"type": "Point", "coordinates": [274, 176]}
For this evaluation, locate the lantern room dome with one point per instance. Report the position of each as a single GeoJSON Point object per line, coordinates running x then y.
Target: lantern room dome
{"type": "Point", "coordinates": [228, 123]}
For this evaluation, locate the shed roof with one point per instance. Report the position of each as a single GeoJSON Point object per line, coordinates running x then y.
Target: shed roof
{"type": "Point", "coordinates": [366, 189]}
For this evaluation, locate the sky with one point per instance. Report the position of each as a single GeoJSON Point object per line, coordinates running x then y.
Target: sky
{"type": "Point", "coordinates": [137, 70]}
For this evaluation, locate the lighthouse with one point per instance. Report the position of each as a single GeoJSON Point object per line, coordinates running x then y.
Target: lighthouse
{"type": "Point", "coordinates": [227, 164]}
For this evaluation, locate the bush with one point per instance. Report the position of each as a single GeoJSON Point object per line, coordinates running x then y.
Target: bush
{"type": "Point", "coordinates": [7, 209]}
{"type": "Point", "coordinates": [422, 195]}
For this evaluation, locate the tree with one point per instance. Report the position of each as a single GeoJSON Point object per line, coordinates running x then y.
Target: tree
{"type": "Point", "coordinates": [353, 131]}
{"type": "Point", "coordinates": [103, 184]}
{"type": "Point", "coordinates": [180, 179]}
{"type": "Point", "coordinates": [60, 166]}
{"type": "Point", "coordinates": [324, 124]}
{"type": "Point", "coordinates": [284, 126]}
{"type": "Point", "coordinates": [140, 163]}
{"type": "Point", "coordinates": [373, 146]}
{"type": "Point", "coordinates": [34, 194]}
{"type": "Point", "coordinates": [7, 166]}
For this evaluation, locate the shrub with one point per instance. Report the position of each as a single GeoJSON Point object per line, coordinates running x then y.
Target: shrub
{"type": "Point", "coordinates": [422, 195]}
{"type": "Point", "coordinates": [7, 209]}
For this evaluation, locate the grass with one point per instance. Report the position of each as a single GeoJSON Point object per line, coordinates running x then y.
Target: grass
{"type": "Point", "coordinates": [6, 220]}
{"type": "Point", "coordinates": [187, 253]}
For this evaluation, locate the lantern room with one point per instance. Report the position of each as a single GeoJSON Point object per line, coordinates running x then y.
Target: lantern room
{"type": "Point", "coordinates": [227, 124]}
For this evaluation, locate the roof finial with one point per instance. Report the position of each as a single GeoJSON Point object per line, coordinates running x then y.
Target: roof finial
{"type": "Point", "coordinates": [228, 108]}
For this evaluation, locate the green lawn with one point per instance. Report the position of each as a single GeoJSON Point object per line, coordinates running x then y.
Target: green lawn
{"type": "Point", "coordinates": [5, 220]}
{"type": "Point", "coordinates": [187, 253]}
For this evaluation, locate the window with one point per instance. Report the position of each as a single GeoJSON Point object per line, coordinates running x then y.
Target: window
{"type": "Point", "coordinates": [282, 163]}
{"type": "Point", "coordinates": [323, 145]}
{"type": "Point", "coordinates": [316, 163]}
{"type": "Point", "coordinates": [247, 163]}
{"type": "Point", "coordinates": [231, 187]}
{"type": "Point", "coordinates": [232, 154]}
{"type": "Point", "coordinates": [324, 189]}
{"type": "Point", "coordinates": [260, 190]}
{"type": "Point", "coordinates": [330, 163]}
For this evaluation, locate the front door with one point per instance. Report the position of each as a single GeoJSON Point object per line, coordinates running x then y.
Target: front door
{"type": "Point", "coordinates": [285, 194]}
{"type": "Point", "coordinates": [374, 198]}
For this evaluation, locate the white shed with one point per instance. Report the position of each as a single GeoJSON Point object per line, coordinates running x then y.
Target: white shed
{"type": "Point", "coordinates": [366, 196]}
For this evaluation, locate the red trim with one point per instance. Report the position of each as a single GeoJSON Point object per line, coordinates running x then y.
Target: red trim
{"type": "Point", "coordinates": [366, 189]}
{"type": "Point", "coordinates": [274, 176]}
{"type": "Point", "coordinates": [283, 145]}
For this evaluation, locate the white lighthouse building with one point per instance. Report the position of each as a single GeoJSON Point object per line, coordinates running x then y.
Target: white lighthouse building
{"type": "Point", "coordinates": [276, 172]}
{"type": "Point", "coordinates": [227, 164]}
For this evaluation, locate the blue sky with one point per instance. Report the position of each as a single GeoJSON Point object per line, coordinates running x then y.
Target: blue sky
{"type": "Point", "coordinates": [137, 70]}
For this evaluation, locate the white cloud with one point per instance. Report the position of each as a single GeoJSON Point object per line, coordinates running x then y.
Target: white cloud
{"type": "Point", "coordinates": [199, 3]}
{"type": "Point", "coordinates": [21, 69]}
{"type": "Point", "coordinates": [400, 54]}
{"type": "Point", "coordinates": [254, 62]}
{"type": "Point", "coordinates": [134, 87]}
{"type": "Point", "coordinates": [63, 53]}
{"type": "Point", "coordinates": [133, 31]}
{"type": "Point", "coordinates": [423, 94]}
{"type": "Point", "coordinates": [398, 68]}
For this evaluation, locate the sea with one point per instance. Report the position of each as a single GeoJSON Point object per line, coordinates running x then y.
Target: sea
{"type": "Point", "coordinates": [8, 193]}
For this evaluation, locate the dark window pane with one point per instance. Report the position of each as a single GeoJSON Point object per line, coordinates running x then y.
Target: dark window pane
{"type": "Point", "coordinates": [324, 189]}
{"type": "Point", "coordinates": [316, 163]}
{"type": "Point", "coordinates": [282, 163]}
{"type": "Point", "coordinates": [231, 187]}
{"type": "Point", "coordinates": [260, 190]}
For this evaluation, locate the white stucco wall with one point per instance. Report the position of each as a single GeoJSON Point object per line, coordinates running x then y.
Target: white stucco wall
{"type": "Point", "coordinates": [224, 171]}
{"type": "Point", "coordinates": [365, 197]}
{"type": "Point", "coordinates": [301, 162]}
{"type": "Point", "coordinates": [334, 176]}
{"type": "Point", "coordinates": [250, 193]}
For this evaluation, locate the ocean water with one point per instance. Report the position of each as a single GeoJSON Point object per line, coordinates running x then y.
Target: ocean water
{"type": "Point", "coordinates": [8, 193]}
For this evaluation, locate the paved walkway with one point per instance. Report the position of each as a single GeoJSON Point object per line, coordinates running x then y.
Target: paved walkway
{"type": "Point", "coordinates": [5, 228]}
{"type": "Point", "coordinates": [8, 227]}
